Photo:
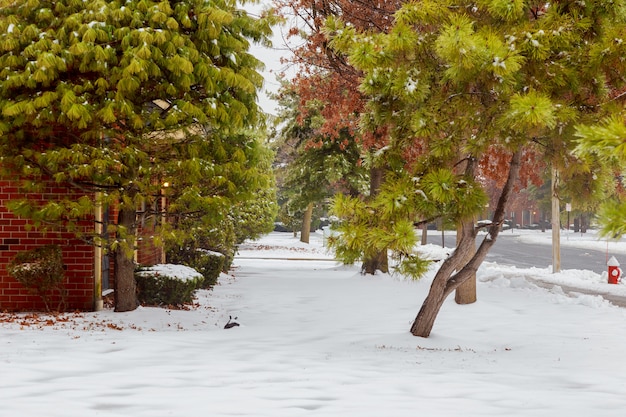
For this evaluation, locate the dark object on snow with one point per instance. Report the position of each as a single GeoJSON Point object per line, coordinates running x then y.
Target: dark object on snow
{"type": "Point", "coordinates": [231, 323]}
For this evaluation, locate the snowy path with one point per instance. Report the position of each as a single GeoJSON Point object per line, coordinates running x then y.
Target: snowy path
{"type": "Point", "coordinates": [318, 339]}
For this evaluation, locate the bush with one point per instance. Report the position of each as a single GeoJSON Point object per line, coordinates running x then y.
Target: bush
{"type": "Point", "coordinates": [208, 263]}
{"type": "Point", "coordinates": [40, 270]}
{"type": "Point", "coordinates": [167, 284]}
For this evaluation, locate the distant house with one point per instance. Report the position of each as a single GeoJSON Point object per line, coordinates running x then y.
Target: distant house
{"type": "Point", "coordinates": [88, 271]}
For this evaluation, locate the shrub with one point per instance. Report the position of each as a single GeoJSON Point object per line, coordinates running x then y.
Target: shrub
{"type": "Point", "coordinates": [40, 270]}
{"type": "Point", "coordinates": [208, 263]}
{"type": "Point", "coordinates": [167, 284]}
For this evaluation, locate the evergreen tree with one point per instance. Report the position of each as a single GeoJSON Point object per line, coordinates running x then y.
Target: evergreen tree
{"type": "Point", "coordinates": [313, 166]}
{"type": "Point", "coordinates": [327, 79]}
{"type": "Point", "coordinates": [237, 201]}
{"type": "Point", "coordinates": [118, 97]}
{"type": "Point", "coordinates": [604, 141]}
{"type": "Point", "coordinates": [457, 82]}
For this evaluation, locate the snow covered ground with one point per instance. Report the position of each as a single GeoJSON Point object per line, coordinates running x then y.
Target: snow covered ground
{"type": "Point", "coordinates": [584, 279]}
{"type": "Point", "coordinates": [318, 339]}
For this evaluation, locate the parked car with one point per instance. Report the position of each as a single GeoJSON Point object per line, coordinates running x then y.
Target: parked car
{"type": "Point", "coordinates": [280, 227]}
{"type": "Point", "coordinates": [486, 223]}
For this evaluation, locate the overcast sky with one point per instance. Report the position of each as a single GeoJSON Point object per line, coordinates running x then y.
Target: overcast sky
{"type": "Point", "coordinates": [271, 58]}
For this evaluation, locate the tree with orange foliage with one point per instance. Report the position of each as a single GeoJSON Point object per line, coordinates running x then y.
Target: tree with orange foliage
{"type": "Point", "coordinates": [462, 80]}
{"type": "Point", "coordinates": [326, 78]}
{"type": "Point", "coordinates": [324, 75]}
{"type": "Point", "coordinates": [310, 166]}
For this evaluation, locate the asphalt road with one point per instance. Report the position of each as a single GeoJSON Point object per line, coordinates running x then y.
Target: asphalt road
{"type": "Point", "coordinates": [510, 251]}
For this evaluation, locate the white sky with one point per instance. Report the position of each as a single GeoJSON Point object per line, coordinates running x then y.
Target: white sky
{"type": "Point", "coordinates": [271, 59]}
{"type": "Point", "coordinates": [318, 339]}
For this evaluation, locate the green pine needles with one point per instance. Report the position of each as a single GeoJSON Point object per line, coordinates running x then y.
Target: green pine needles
{"type": "Point", "coordinates": [457, 80]}
{"type": "Point", "coordinates": [99, 63]}
{"type": "Point", "coordinates": [386, 222]}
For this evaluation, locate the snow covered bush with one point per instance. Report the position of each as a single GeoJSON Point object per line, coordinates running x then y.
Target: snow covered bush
{"type": "Point", "coordinates": [40, 270]}
{"type": "Point", "coordinates": [210, 264]}
{"type": "Point", "coordinates": [167, 284]}
{"type": "Point", "coordinates": [207, 262]}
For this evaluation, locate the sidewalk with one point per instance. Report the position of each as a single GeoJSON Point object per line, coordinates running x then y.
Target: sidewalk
{"type": "Point", "coordinates": [573, 282]}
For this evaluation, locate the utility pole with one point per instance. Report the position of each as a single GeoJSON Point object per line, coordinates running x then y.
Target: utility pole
{"type": "Point", "coordinates": [98, 302]}
{"type": "Point", "coordinates": [556, 223]}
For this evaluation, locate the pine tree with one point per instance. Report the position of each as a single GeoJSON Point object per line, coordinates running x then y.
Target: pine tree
{"type": "Point", "coordinates": [456, 82]}
{"type": "Point", "coordinates": [119, 97]}
{"type": "Point", "coordinates": [235, 201]}
{"type": "Point", "coordinates": [326, 78]}
{"type": "Point", "coordinates": [313, 166]}
{"type": "Point", "coordinates": [604, 141]}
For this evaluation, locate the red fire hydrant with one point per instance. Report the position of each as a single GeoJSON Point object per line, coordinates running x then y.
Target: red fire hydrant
{"type": "Point", "coordinates": [614, 271]}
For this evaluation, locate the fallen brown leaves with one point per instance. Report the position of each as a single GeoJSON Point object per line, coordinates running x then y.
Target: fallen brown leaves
{"type": "Point", "coordinates": [275, 247]}
{"type": "Point", "coordinates": [60, 321]}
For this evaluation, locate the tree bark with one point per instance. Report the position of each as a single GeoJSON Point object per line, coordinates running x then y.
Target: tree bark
{"type": "Point", "coordinates": [444, 283]}
{"type": "Point", "coordinates": [125, 285]}
{"type": "Point", "coordinates": [379, 261]}
{"type": "Point", "coordinates": [455, 270]}
{"type": "Point", "coordinates": [305, 232]}
{"type": "Point", "coordinates": [377, 176]}
{"type": "Point", "coordinates": [466, 292]}
{"type": "Point", "coordinates": [376, 263]}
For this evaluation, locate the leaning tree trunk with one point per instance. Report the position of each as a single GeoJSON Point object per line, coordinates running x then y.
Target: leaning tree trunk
{"type": "Point", "coordinates": [305, 232]}
{"type": "Point", "coordinates": [455, 270]}
{"type": "Point", "coordinates": [125, 285]}
{"type": "Point", "coordinates": [466, 292]}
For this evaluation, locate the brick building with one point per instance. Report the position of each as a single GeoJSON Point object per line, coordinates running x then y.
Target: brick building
{"type": "Point", "coordinates": [88, 271]}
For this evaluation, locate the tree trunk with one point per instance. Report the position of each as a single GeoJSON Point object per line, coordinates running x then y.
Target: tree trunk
{"type": "Point", "coordinates": [423, 324]}
{"type": "Point", "coordinates": [425, 234]}
{"type": "Point", "coordinates": [379, 261]}
{"type": "Point", "coordinates": [583, 224]}
{"type": "Point", "coordinates": [455, 270]}
{"type": "Point", "coordinates": [443, 285]}
{"type": "Point", "coordinates": [466, 292]}
{"type": "Point", "coordinates": [305, 233]}
{"type": "Point", "coordinates": [125, 285]}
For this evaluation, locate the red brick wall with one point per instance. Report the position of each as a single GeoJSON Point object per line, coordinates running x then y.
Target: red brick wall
{"type": "Point", "coordinates": [15, 237]}
{"type": "Point", "coordinates": [78, 256]}
{"type": "Point", "coordinates": [147, 253]}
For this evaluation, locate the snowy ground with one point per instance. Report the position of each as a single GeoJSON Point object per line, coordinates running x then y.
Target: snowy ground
{"type": "Point", "coordinates": [584, 279]}
{"type": "Point", "coordinates": [318, 339]}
